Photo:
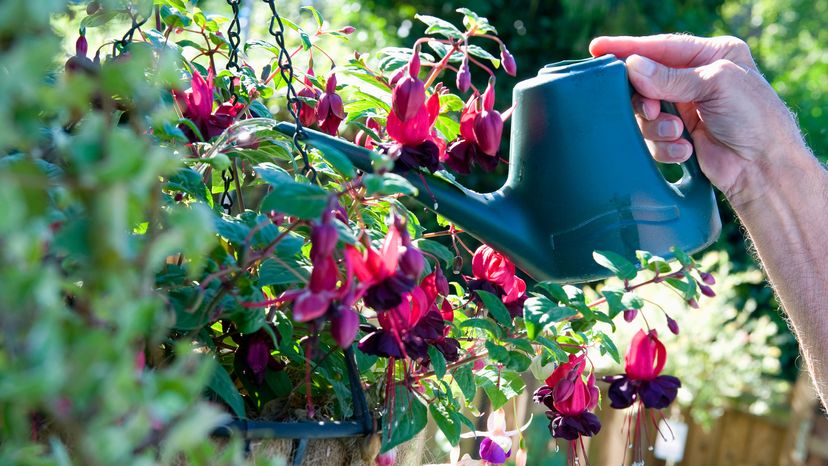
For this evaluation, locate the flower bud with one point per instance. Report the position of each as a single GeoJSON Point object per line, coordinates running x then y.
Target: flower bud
{"type": "Point", "coordinates": [389, 458]}
{"type": "Point", "coordinates": [707, 278]}
{"type": "Point", "coordinates": [81, 46]}
{"type": "Point", "coordinates": [412, 262]}
{"type": "Point", "coordinates": [630, 314]}
{"type": "Point", "coordinates": [488, 129]}
{"type": "Point", "coordinates": [414, 64]}
{"type": "Point", "coordinates": [457, 265]}
{"type": "Point", "coordinates": [672, 325]}
{"type": "Point", "coordinates": [507, 61]}
{"type": "Point", "coordinates": [693, 303]}
{"type": "Point", "coordinates": [521, 457]}
{"type": "Point", "coordinates": [440, 281]}
{"type": "Point", "coordinates": [347, 30]}
{"type": "Point", "coordinates": [324, 237]}
{"type": "Point", "coordinates": [344, 327]}
{"type": "Point", "coordinates": [707, 291]}
{"type": "Point", "coordinates": [463, 77]}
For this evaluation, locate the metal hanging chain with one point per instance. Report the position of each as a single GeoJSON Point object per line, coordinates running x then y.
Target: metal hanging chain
{"type": "Point", "coordinates": [119, 47]}
{"type": "Point", "coordinates": [234, 38]}
{"type": "Point", "coordinates": [234, 35]}
{"type": "Point", "coordinates": [286, 70]}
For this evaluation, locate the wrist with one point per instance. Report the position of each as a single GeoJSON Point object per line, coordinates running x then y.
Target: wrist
{"type": "Point", "coordinates": [779, 173]}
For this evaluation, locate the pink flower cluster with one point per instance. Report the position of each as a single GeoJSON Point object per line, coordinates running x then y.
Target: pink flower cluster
{"type": "Point", "coordinates": [196, 104]}
{"type": "Point", "coordinates": [495, 273]}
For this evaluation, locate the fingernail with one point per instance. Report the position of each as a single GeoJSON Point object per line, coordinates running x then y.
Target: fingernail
{"type": "Point", "coordinates": [641, 65]}
{"type": "Point", "coordinates": [668, 129]}
{"type": "Point", "coordinates": [678, 151]}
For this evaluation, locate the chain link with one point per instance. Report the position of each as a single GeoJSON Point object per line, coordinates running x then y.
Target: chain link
{"type": "Point", "coordinates": [293, 101]}
{"type": "Point", "coordinates": [119, 47]}
{"type": "Point", "coordinates": [234, 35]}
{"type": "Point", "coordinates": [234, 38]}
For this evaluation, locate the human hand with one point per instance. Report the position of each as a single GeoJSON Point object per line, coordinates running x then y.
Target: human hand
{"type": "Point", "coordinates": [739, 125]}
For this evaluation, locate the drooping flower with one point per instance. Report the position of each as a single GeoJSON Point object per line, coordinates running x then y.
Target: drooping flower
{"type": "Point", "coordinates": [307, 114]}
{"type": "Point", "coordinates": [466, 151]}
{"type": "Point", "coordinates": [495, 273]}
{"type": "Point", "coordinates": [196, 104]}
{"type": "Point", "coordinates": [389, 458]}
{"type": "Point", "coordinates": [254, 353]}
{"type": "Point", "coordinates": [79, 62]}
{"type": "Point", "coordinates": [642, 385]}
{"type": "Point", "coordinates": [463, 77]}
{"type": "Point", "coordinates": [570, 400]}
{"type": "Point", "coordinates": [496, 446]}
{"type": "Point", "coordinates": [488, 124]}
{"type": "Point", "coordinates": [330, 111]}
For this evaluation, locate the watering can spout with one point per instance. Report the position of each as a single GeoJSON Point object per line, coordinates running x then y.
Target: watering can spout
{"type": "Point", "coordinates": [491, 217]}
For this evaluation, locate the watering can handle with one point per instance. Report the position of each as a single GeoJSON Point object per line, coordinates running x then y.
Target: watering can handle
{"type": "Point", "coordinates": [693, 175]}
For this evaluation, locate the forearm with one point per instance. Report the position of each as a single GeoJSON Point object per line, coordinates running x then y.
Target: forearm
{"type": "Point", "coordinates": [788, 224]}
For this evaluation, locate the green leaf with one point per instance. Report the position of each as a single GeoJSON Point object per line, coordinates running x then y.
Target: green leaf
{"type": "Point", "coordinates": [615, 303]}
{"type": "Point", "coordinates": [478, 51]}
{"type": "Point", "coordinates": [446, 421]}
{"type": "Point", "coordinates": [495, 307]}
{"type": "Point", "coordinates": [409, 418]}
{"type": "Point", "coordinates": [436, 249]}
{"type": "Point", "coordinates": [554, 291]}
{"type": "Point", "coordinates": [340, 162]}
{"type": "Point", "coordinates": [273, 174]}
{"type": "Point", "coordinates": [438, 361]}
{"type": "Point", "coordinates": [682, 257]}
{"type": "Point", "coordinates": [221, 384]}
{"type": "Point", "coordinates": [630, 300]}
{"type": "Point", "coordinates": [621, 267]}
{"type": "Point", "coordinates": [389, 183]}
{"type": "Point", "coordinates": [440, 26]}
{"type": "Point", "coordinates": [688, 288]}
{"type": "Point", "coordinates": [651, 262]}
{"type": "Point", "coordinates": [539, 313]}
{"type": "Point", "coordinates": [483, 324]}
{"type": "Point", "coordinates": [608, 347]}
{"type": "Point", "coordinates": [188, 181]}
{"type": "Point", "coordinates": [273, 272]}
{"type": "Point", "coordinates": [464, 377]}
{"type": "Point", "coordinates": [316, 15]}
{"type": "Point", "coordinates": [500, 388]}
{"type": "Point", "coordinates": [447, 127]}
{"type": "Point", "coordinates": [450, 103]}
{"type": "Point", "coordinates": [298, 200]}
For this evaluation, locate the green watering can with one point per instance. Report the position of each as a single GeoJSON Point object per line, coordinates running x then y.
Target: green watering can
{"type": "Point", "coordinates": [580, 179]}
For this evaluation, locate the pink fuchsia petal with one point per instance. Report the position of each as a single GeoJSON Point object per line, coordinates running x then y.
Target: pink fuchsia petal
{"type": "Point", "coordinates": [324, 275]}
{"type": "Point", "coordinates": [493, 266]}
{"type": "Point", "coordinates": [520, 457]}
{"type": "Point", "coordinates": [309, 306]}
{"type": "Point", "coordinates": [447, 311]}
{"type": "Point", "coordinates": [411, 132]}
{"type": "Point", "coordinates": [408, 97]}
{"type": "Point", "coordinates": [324, 237]}
{"type": "Point", "coordinates": [516, 291]}
{"type": "Point", "coordinates": [344, 327]}
{"type": "Point", "coordinates": [201, 98]}
{"type": "Point", "coordinates": [467, 117]}
{"type": "Point", "coordinates": [593, 393]}
{"type": "Point", "coordinates": [414, 64]}
{"type": "Point", "coordinates": [645, 357]}
{"type": "Point", "coordinates": [488, 130]}
{"type": "Point", "coordinates": [489, 96]}
{"type": "Point", "coordinates": [577, 401]}
{"type": "Point", "coordinates": [563, 370]}
{"type": "Point", "coordinates": [412, 262]}
{"type": "Point", "coordinates": [330, 85]}
{"type": "Point", "coordinates": [390, 251]}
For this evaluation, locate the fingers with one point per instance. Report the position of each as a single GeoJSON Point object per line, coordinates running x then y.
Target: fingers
{"type": "Point", "coordinates": [670, 152]}
{"type": "Point", "coordinates": [664, 128]}
{"type": "Point", "coordinates": [676, 50]}
{"type": "Point", "coordinates": [656, 81]}
{"type": "Point", "coordinates": [649, 109]}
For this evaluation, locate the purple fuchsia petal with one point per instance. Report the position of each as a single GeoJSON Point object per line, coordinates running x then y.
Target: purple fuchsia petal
{"type": "Point", "coordinates": [622, 393]}
{"type": "Point", "coordinates": [344, 327]}
{"type": "Point", "coordinates": [388, 293]}
{"type": "Point", "coordinates": [492, 452]}
{"type": "Point", "coordinates": [461, 155]}
{"type": "Point", "coordinates": [380, 343]}
{"type": "Point", "coordinates": [659, 392]}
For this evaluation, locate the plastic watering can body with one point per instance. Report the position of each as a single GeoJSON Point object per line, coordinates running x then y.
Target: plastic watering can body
{"type": "Point", "coordinates": [580, 179]}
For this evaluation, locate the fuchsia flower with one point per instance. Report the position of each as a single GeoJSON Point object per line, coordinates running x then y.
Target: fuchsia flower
{"type": "Point", "coordinates": [495, 273]}
{"type": "Point", "coordinates": [480, 133]}
{"type": "Point", "coordinates": [569, 399]}
{"type": "Point", "coordinates": [642, 385]}
{"type": "Point", "coordinates": [463, 77]}
{"type": "Point", "coordinates": [196, 104]}
{"type": "Point", "coordinates": [307, 114]}
{"type": "Point", "coordinates": [410, 123]}
{"type": "Point", "coordinates": [330, 111]}
{"type": "Point", "coordinates": [507, 61]}
{"type": "Point", "coordinates": [408, 315]}
{"type": "Point", "coordinates": [254, 352]}
{"type": "Point", "coordinates": [496, 446]}
{"type": "Point", "coordinates": [79, 61]}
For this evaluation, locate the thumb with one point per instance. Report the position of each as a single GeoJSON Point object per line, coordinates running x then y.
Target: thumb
{"type": "Point", "coordinates": [656, 81]}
